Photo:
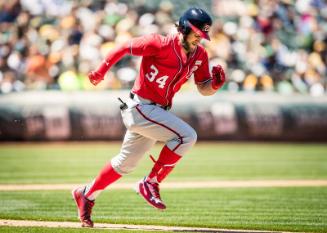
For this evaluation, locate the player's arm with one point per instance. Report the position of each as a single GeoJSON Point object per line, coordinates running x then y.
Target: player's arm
{"type": "Point", "coordinates": [141, 46]}
{"type": "Point", "coordinates": [211, 85]}
{"type": "Point", "coordinates": [96, 76]}
{"type": "Point", "coordinates": [206, 88]}
{"type": "Point", "coordinates": [208, 84]}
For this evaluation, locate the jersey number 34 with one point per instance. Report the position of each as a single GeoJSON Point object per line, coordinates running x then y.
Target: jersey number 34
{"type": "Point", "coordinates": [152, 76]}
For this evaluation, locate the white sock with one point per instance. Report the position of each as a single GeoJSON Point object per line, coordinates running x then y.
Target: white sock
{"type": "Point", "coordinates": [94, 195]}
{"type": "Point", "coordinates": [152, 180]}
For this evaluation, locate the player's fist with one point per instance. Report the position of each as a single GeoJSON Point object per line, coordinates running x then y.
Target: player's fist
{"type": "Point", "coordinates": [218, 77]}
{"type": "Point", "coordinates": [95, 78]}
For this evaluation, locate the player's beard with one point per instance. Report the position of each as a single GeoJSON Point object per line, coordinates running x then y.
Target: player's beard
{"type": "Point", "coordinates": [186, 45]}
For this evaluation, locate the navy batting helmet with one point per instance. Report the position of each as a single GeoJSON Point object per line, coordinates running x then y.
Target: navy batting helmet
{"type": "Point", "coordinates": [197, 20]}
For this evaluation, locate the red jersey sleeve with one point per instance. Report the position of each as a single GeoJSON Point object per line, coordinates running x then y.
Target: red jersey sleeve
{"type": "Point", "coordinates": [147, 45]}
{"type": "Point", "coordinates": [202, 74]}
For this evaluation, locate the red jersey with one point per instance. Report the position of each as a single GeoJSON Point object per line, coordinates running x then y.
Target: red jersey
{"type": "Point", "coordinates": [165, 67]}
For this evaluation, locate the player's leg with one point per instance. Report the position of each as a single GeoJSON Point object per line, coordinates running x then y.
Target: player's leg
{"type": "Point", "coordinates": [179, 138]}
{"type": "Point", "coordinates": [149, 186]}
{"type": "Point", "coordinates": [133, 148]}
{"type": "Point", "coordinates": [161, 125]}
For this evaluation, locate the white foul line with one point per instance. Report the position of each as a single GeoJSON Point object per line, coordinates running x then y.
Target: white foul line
{"type": "Point", "coordinates": [50, 224]}
{"type": "Point", "coordinates": [178, 185]}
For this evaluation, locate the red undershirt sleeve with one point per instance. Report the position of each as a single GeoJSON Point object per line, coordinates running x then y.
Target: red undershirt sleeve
{"type": "Point", "coordinates": [112, 58]}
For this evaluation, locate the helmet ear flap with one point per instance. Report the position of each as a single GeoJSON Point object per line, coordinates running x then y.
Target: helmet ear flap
{"type": "Point", "coordinates": [183, 26]}
{"type": "Point", "coordinates": [187, 28]}
{"type": "Point", "coordinates": [179, 27]}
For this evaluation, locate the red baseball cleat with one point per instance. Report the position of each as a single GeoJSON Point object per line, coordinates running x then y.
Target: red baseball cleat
{"type": "Point", "coordinates": [150, 192]}
{"type": "Point", "coordinates": [84, 207]}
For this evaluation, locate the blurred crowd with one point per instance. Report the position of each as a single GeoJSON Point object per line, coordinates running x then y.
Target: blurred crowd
{"type": "Point", "coordinates": [264, 45]}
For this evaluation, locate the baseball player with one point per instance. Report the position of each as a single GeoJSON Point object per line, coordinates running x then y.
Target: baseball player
{"type": "Point", "coordinates": [167, 63]}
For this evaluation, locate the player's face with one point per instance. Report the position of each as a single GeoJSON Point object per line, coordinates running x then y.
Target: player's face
{"type": "Point", "coordinates": [193, 40]}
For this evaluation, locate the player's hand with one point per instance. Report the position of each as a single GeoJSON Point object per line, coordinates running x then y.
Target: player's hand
{"type": "Point", "coordinates": [95, 77]}
{"type": "Point", "coordinates": [218, 77]}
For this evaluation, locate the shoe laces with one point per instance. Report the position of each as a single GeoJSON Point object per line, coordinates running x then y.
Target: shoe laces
{"type": "Point", "coordinates": [154, 189]}
{"type": "Point", "coordinates": [88, 208]}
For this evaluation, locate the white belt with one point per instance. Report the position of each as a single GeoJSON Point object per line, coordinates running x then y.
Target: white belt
{"type": "Point", "coordinates": [141, 100]}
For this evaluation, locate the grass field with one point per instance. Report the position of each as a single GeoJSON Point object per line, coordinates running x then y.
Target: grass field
{"type": "Point", "coordinates": [276, 209]}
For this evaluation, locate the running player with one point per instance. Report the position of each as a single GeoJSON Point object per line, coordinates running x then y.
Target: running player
{"type": "Point", "coordinates": [167, 63]}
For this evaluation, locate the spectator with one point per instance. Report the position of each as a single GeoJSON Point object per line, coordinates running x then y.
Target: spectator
{"type": "Point", "coordinates": [43, 41]}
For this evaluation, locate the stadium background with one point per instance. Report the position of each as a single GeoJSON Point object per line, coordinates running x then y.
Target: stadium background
{"type": "Point", "coordinates": [268, 45]}
{"type": "Point", "coordinates": [274, 53]}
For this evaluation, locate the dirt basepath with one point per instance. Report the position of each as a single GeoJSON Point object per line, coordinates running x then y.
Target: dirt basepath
{"type": "Point", "coordinates": [25, 223]}
{"type": "Point", "coordinates": [179, 185]}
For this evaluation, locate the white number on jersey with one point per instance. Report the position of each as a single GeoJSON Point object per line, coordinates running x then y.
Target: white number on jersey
{"type": "Point", "coordinates": [162, 81]}
{"type": "Point", "coordinates": [153, 74]}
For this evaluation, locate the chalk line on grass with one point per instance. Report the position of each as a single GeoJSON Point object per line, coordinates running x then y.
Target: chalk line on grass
{"type": "Point", "coordinates": [50, 224]}
{"type": "Point", "coordinates": [178, 185]}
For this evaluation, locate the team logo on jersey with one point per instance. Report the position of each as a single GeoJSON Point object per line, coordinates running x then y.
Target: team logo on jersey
{"type": "Point", "coordinates": [106, 62]}
{"type": "Point", "coordinates": [195, 67]}
{"type": "Point", "coordinates": [206, 28]}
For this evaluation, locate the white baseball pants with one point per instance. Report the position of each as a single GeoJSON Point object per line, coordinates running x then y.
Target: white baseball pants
{"type": "Point", "coordinates": [146, 124]}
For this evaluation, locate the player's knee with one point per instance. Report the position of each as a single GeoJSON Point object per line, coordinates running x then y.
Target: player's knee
{"type": "Point", "coordinates": [191, 137]}
{"type": "Point", "coordinates": [122, 169]}
{"type": "Point", "coordinates": [186, 142]}
{"type": "Point", "coordinates": [121, 165]}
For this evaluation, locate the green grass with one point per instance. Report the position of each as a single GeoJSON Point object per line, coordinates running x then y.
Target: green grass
{"type": "Point", "coordinates": [283, 209]}
{"type": "Point", "coordinates": [79, 163]}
